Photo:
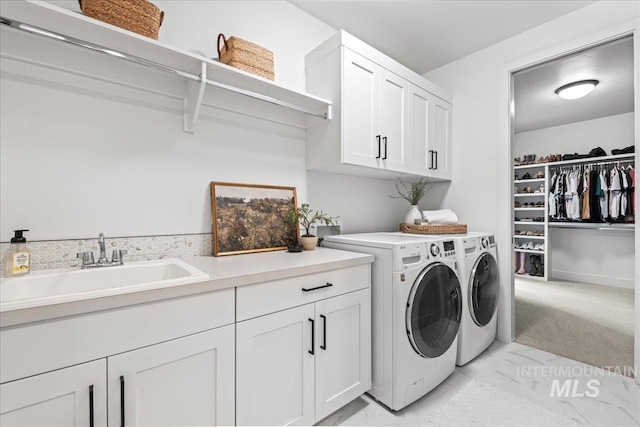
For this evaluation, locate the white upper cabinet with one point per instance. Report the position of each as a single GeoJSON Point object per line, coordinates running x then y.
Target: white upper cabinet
{"type": "Point", "coordinates": [429, 134]}
{"type": "Point", "coordinates": [387, 122]}
{"type": "Point", "coordinates": [374, 111]}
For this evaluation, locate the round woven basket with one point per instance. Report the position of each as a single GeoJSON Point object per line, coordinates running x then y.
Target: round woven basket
{"type": "Point", "coordinates": [139, 16]}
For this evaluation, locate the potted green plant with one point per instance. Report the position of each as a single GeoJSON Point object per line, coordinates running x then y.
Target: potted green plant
{"type": "Point", "coordinates": [412, 192]}
{"type": "Point", "coordinates": [307, 217]}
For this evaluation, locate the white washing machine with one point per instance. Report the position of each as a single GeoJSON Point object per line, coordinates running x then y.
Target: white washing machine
{"type": "Point", "coordinates": [416, 311]}
{"type": "Point", "coordinates": [478, 273]}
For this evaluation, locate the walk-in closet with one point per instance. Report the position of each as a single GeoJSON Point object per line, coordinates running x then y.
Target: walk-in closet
{"type": "Point", "coordinates": [573, 205]}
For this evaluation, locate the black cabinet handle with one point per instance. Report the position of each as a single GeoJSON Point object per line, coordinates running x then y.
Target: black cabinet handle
{"type": "Point", "coordinates": [431, 154]}
{"type": "Point", "coordinates": [328, 285]}
{"type": "Point", "coordinates": [384, 139]}
{"type": "Point", "coordinates": [313, 336]}
{"type": "Point", "coordinates": [436, 160]}
{"type": "Point", "coordinates": [379, 148]}
{"type": "Point", "coordinates": [121, 401]}
{"type": "Point", "coordinates": [91, 406]}
{"type": "Point", "coordinates": [324, 333]}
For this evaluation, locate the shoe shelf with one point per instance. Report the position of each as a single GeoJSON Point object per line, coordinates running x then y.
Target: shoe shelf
{"type": "Point", "coordinates": [522, 254]}
{"type": "Point", "coordinates": [529, 195]}
{"type": "Point", "coordinates": [525, 181]}
{"type": "Point", "coordinates": [531, 166]}
{"type": "Point", "coordinates": [530, 251]}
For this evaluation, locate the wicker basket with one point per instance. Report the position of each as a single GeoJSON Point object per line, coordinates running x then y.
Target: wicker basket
{"type": "Point", "coordinates": [447, 228]}
{"type": "Point", "coordinates": [139, 16]}
{"type": "Point", "coordinates": [246, 56]}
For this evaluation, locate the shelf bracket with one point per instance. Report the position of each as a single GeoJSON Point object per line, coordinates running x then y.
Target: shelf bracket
{"type": "Point", "coordinates": [193, 99]}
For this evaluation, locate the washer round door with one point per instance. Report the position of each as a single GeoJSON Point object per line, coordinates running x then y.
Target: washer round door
{"type": "Point", "coordinates": [484, 287]}
{"type": "Point", "coordinates": [433, 310]}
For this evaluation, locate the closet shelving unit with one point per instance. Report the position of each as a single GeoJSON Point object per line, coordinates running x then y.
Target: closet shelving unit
{"type": "Point", "coordinates": [536, 212]}
{"type": "Point", "coordinates": [206, 81]}
{"type": "Point", "coordinates": [521, 213]}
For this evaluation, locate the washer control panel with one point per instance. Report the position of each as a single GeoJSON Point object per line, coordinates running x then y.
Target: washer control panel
{"type": "Point", "coordinates": [435, 249]}
{"type": "Point", "coordinates": [441, 249]}
{"type": "Point", "coordinates": [485, 243]}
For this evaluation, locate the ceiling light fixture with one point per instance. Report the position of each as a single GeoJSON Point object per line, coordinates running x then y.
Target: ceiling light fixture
{"type": "Point", "coordinates": [576, 90]}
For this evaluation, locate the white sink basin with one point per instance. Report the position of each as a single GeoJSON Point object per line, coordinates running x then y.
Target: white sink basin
{"type": "Point", "coordinates": [68, 285]}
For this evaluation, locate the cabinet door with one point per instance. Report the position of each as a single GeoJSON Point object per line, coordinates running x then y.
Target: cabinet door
{"type": "Point", "coordinates": [184, 382]}
{"type": "Point", "coordinates": [442, 137]}
{"type": "Point", "coordinates": [420, 146]}
{"type": "Point", "coordinates": [275, 377]}
{"type": "Point", "coordinates": [394, 120]}
{"type": "Point", "coordinates": [361, 139]}
{"type": "Point", "coordinates": [66, 397]}
{"type": "Point", "coordinates": [343, 350]}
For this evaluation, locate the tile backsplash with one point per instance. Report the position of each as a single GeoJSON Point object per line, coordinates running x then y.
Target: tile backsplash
{"type": "Point", "coordinates": [62, 253]}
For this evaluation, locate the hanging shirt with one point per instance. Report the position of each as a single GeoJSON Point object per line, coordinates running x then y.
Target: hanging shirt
{"type": "Point", "coordinates": [615, 194]}
{"type": "Point", "coordinates": [553, 213]}
{"type": "Point", "coordinates": [586, 212]}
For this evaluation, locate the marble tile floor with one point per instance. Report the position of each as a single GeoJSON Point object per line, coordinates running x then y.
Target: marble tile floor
{"type": "Point", "coordinates": [511, 385]}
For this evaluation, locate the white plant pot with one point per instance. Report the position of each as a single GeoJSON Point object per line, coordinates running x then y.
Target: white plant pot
{"type": "Point", "coordinates": [309, 243]}
{"type": "Point", "coordinates": [413, 214]}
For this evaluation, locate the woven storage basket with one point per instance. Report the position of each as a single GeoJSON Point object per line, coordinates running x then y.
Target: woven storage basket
{"type": "Point", "coordinates": [246, 56]}
{"type": "Point", "coordinates": [139, 16]}
{"type": "Point", "coordinates": [434, 228]}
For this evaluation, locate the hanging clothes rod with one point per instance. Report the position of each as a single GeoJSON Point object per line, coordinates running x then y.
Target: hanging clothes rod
{"type": "Point", "coordinates": [150, 64]}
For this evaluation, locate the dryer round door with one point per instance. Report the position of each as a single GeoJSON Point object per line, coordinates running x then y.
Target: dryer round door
{"type": "Point", "coordinates": [433, 310]}
{"type": "Point", "coordinates": [484, 287]}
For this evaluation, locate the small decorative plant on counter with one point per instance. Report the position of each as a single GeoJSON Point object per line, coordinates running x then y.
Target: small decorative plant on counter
{"type": "Point", "coordinates": [307, 217]}
{"type": "Point", "coordinates": [412, 192]}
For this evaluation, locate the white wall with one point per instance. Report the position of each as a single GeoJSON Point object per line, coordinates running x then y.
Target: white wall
{"type": "Point", "coordinates": [479, 155]}
{"type": "Point", "coordinates": [79, 156]}
{"type": "Point", "coordinates": [606, 132]}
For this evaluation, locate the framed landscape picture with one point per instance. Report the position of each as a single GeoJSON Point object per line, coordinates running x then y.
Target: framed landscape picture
{"type": "Point", "coordinates": [251, 218]}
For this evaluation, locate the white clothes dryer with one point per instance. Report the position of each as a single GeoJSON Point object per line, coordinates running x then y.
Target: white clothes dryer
{"type": "Point", "coordinates": [416, 312]}
{"type": "Point", "coordinates": [478, 272]}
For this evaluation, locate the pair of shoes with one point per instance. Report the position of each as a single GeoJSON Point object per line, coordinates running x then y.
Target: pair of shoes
{"type": "Point", "coordinates": [516, 204]}
{"type": "Point", "coordinates": [539, 205]}
{"type": "Point", "coordinates": [527, 245]}
{"type": "Point", "coordinates": [539, 174]}
{"type": "Point", "coordinates": [522, 257]}
{"type": "Point", "coordinates": [539, 219]}
{"type": "Point", "coordinates": [527, 190]}
{"type": "Point", "coordinates": [526, 176]}
{"type": "Point", "coordinates": [538, 247]}
{"type": "Point", "coordinates": [539, 233]}
{"type": "Point", "coordinates": [555, 157]}
{"type": "Point", "coordinates": [526, 205]}
{"type": "Point", "coordinates": [536, 266]}
{"type": "Point", "coordinates": [517, 162]}
{"type": "Point", "coordinates": [529, 233]}
{"type": "Point", "coordinates": [540, 189]}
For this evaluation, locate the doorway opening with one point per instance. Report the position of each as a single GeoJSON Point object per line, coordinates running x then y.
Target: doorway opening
{"type": "Point", "coordinates": [573, 211]}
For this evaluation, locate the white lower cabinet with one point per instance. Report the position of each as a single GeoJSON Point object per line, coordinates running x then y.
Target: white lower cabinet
{"type": "Point", "coordinates": [296, 366]}
{"type": "Point", "coordinates": [184, 382]}
{"type": "Point", "coordinates": [74, 396]}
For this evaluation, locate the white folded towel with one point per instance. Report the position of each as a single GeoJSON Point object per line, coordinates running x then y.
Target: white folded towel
{"type": "Point", "coordinates": [440, 216]}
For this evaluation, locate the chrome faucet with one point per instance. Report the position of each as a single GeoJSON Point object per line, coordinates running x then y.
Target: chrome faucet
{"type": "Point", "coordinates": [103, 261]}
{"type": "Point", "coordinates": [102, 258]}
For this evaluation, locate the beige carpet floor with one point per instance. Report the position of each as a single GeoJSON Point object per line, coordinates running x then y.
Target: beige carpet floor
{"type": "Point", "coordinates": [588, 323]}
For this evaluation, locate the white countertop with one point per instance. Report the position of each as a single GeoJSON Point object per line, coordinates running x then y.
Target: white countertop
{"type": "Point", "coordinates": [224, 273]}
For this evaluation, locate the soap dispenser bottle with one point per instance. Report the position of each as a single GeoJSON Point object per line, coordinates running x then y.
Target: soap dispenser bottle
{"type": "Point", "coordinates": [17, 259]}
